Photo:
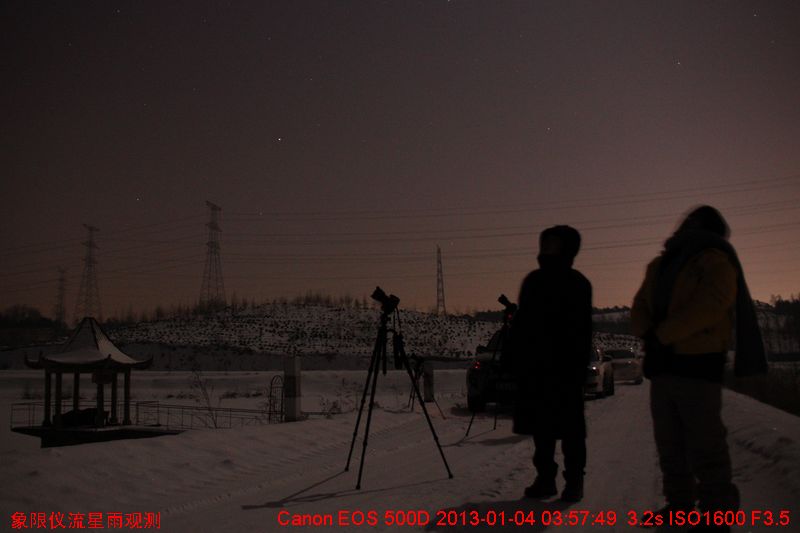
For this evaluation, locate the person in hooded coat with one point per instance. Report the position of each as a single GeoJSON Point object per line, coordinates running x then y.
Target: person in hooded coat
{"type": "Point", "coordinates": [551, 342]}
{"type": "Point", "coordinates": [692, 296]}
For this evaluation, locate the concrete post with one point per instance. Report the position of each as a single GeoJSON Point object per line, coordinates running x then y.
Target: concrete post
{"type": "Point", "coordinates": [47, 400]}
{"type": "Point", "coordinates": [291, 389]}
{"type": "Point", "coordinates": [76, 391]}
{"type": "Point", "coordinates": [127, 398]}
{"type": "Point", "coordinates": [57, 417]}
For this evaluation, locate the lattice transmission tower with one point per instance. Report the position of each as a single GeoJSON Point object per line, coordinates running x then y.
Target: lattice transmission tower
{"type": "Point", "coordinates": [88, 303]}
{"type": "Point", "coordinates": [440, 307]}
{"type": "Point", "coordinates": [59, 310]}
{"type": "Point", "coordinates": [212, 294]}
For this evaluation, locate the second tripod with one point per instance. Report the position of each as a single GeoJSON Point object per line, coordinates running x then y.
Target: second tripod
{"type": "Point", "coordinates": [495, 375]}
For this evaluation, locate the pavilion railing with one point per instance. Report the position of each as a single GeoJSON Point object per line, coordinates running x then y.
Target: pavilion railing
{"type": "Point", "coordinates": [26, 414]}
{"type": "Point", "coordinates": [31, 413]}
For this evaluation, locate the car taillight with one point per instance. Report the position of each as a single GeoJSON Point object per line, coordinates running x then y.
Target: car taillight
{"type": "Point", "coordinates": [476, 365]}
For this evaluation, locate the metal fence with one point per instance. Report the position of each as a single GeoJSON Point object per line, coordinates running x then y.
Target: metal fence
{"type": "Point", "coordinates": [275, 403]}
{"type": "Point", "coordinates": [171, 416]}
{"type": "Point", "coordinates": [26, 414]}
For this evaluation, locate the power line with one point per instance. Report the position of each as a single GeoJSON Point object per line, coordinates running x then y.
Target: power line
{"type": "Point", "coordinates": [606, 201]}
{"type": "Point", "coordinates": [59, 311]}
{"type": "Point", "coordinates": [458, 234]}
{"type": "Point", "coordinates": [47, 246]}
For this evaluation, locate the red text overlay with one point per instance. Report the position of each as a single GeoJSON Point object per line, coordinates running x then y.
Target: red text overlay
{"type": "Point", "coordinates": [349, 518]}
{"type": "Point", "coordinates": [57, 520]}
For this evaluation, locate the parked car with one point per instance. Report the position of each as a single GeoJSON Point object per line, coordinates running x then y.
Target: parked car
{"type": "Point", "coordinates": [599, 375]}
{"type": "Point", "coordinates": [627, 365]}
{"type": "Point", "coordinates": [487, 382]}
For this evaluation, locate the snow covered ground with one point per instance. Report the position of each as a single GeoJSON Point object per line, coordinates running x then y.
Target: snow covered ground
{"type": "Point", "coordinates": [245, 479]}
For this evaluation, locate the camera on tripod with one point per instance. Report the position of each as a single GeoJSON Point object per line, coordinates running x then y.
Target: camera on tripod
{"type": "Point", "coordinates": [388, 303]}
{"type": "Point", "coordinates": [510, 307]}
{"type": "Point", "coordinates": [378, 361]}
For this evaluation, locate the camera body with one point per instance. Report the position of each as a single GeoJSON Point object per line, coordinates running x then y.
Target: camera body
{"type": "Point", "coordinates": [388, 303]}
{"type": "Point", "coordinates": [510, 308]}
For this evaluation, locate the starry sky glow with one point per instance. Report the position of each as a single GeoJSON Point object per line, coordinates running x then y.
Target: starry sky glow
{"type": "Point", "coordinates": [345, 140]}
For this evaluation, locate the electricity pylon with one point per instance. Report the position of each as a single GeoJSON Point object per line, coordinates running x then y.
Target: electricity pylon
{"type": "Point", "coordinates": [88, 303]}
{"type": "Point", "coordinates": [440, 307]}
{"type": "Point", "coordinates": [212, 294]}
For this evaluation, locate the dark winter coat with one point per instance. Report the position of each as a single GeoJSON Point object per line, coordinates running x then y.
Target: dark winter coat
{"type": "Point", "coordinates": [551, 342]}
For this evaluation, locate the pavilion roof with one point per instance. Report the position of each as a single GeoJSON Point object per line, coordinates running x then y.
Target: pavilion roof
{"type": "Point", "coordinates": [89, 348]}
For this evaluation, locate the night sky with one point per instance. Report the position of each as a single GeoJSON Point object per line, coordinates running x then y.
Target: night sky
{"type": "Point", "coordinates": [344, 140]}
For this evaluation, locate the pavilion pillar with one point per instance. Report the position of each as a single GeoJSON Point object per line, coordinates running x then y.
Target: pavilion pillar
{"type": "Point", "coordinates": [127, 398]}
{"type": "Point", "coordinates": [100, 416]}
{"type": "Point", "coordinates": [114, 398]}
{"type": "Point", "coordinates": [46, 421]}
{"type": "Point", "coordinates": [76, 391]}
{"type": "Point", "coordinates": [57, 418]}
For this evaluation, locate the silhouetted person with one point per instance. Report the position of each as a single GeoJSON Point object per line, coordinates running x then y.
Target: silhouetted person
{"type": "Point", "coordinates": [685, 313]}
{"type": "Point", "coordinates": [551, 341]}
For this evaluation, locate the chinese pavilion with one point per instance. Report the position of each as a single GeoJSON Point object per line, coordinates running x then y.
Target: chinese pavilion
{"type": "Point", "coordinates": [88, 351]}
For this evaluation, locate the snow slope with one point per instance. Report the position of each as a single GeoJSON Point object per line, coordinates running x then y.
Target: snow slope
{"type": "Point", "coordinates": [312, 329]}
{"type": "Point", "coordinates": [296, 329]}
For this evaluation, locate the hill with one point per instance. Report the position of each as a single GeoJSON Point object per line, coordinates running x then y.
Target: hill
{"type": "Point", "coordinates": [337, 336]}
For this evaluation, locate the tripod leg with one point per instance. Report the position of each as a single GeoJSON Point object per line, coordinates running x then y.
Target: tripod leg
{"type": "Point", "coordinates": [471, 420]}
{"type": "Point", "coordinates": [369, 416]}
{"type": "Point", "coordinates": [440, 409]}
{"type": "Point", "coordinates": [372, 369]}
{"type": "Point", "coordinates": [427, 417]}
{"type": "Point", "coordinates": [411, 391]}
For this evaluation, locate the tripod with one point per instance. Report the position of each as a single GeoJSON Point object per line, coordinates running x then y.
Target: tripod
{"type": "Point", "coordinates": [501, 340]}
{"type": "Point", "coordinates": [417, 373]}
{"type": "Point", "coordinates": [379, 359]}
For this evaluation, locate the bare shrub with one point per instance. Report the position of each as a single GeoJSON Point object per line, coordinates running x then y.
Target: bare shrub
{"type": "Point", "coordinates": [204, 395]}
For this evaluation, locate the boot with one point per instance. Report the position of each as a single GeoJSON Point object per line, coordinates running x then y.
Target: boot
{"type": "Point", "coordinates": [543, 487]}
{"type": "Point", "coordinates": [573, 490]}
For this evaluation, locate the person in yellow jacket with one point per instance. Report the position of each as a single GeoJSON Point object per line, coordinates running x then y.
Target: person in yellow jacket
{"type": "Point", "coordinates": [692, 297]}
